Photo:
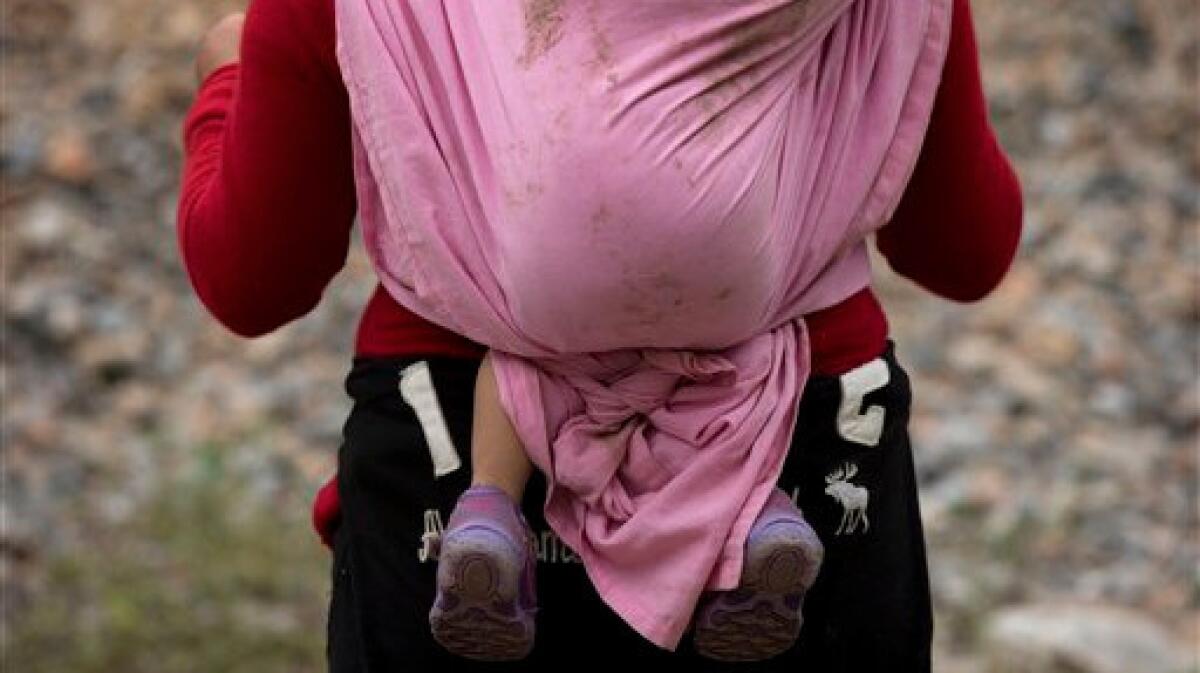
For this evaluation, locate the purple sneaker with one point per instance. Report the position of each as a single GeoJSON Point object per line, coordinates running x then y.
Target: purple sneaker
{"type": "Point", "coordinates": [761, 618]}
{"type": "Point", "coordinates": [486, 598]}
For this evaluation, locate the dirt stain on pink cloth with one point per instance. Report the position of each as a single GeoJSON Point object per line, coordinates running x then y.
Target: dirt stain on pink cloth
{"type": "Point", "coordinates": [743, 65]}
{"type": "Point", "coordinates": [543, 29]}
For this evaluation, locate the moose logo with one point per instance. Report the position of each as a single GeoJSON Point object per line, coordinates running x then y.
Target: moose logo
{"type": "Point", "coordinates": [851, 497]}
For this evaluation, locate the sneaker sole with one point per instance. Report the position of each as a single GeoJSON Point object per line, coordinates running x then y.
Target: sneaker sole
{"type": "Point", "coordinates": [761, 618]}
{"type": "Point", "coordinates": [477, 613]}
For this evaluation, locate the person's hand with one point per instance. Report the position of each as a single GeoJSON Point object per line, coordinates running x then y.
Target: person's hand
{"type": "Point", "coordinates": [221, 45]}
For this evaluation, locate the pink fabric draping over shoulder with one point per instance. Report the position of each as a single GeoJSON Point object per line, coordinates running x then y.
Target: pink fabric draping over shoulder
{"type": "Point", "coordinates": [635, 204]}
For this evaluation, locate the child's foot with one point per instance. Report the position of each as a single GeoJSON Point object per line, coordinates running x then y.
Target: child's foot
{"type": "Point", "coordinates": [761, 618]}
{"type": "Point", "coordinates": [486, 598]}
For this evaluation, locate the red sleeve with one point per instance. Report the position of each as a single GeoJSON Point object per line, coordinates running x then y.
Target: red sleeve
{"type": "Point", "coordinates": [267, 200]}
{"type": "Point", "coordinates": [327, 511]}
{"type": "Point", "coordinates": [957, 227]}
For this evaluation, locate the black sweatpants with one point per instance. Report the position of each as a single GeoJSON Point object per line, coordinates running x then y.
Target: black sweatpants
{"type": "Point", "coordinates": [406, 459]}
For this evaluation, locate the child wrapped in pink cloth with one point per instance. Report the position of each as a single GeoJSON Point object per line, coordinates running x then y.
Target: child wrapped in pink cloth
{"type": "Point", "coordinates": [635, 204]}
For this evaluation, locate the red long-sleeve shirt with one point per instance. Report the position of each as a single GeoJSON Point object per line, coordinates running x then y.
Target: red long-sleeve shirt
{"type": "Point", "coordinates": [268, 201]}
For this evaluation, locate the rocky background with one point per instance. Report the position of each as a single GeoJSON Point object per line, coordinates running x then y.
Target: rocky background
{"type": "Point", "coordinates": [157, 470]}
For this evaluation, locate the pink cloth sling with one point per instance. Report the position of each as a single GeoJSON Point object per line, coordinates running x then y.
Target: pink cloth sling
{"type": "Point", "coordinates": [635, 204]}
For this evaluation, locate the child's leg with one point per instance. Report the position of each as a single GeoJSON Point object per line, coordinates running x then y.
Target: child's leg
{"type": "Point", "coordinates": [497, 456]}
{"type": "Point", "coordinates": [486, 595]}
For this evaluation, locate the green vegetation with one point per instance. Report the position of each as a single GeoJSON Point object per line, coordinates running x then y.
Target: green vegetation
{"type": "Point", "coordinates": [207, 576]}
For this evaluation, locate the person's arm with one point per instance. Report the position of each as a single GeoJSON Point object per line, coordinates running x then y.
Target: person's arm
{"type": "Point", "coordinates": [267, 200]}
{"type": "Point", "coordinates": [957, 227]}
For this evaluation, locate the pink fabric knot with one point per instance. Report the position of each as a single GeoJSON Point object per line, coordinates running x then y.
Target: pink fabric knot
{"type": "Point", "coordinates": [606, 449]}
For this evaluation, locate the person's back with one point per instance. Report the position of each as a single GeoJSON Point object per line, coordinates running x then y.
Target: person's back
{"type": "Point", "coordinates": [861, 307]}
